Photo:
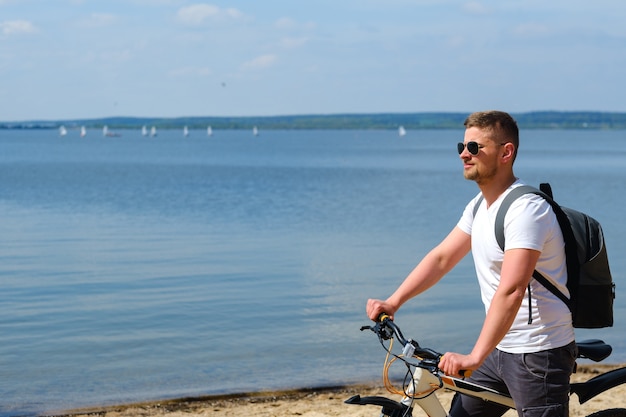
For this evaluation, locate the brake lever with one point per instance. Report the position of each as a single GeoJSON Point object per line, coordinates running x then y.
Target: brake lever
{"type": "Point", "coordinates": [382, 331]}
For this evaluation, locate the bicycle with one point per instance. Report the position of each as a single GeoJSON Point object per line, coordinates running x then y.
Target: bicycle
{"type": "Point", "coordinates": [424, 379]}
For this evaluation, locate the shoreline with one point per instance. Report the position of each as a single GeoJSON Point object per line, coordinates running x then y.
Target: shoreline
{"type": "Point", "coordinates": [166, 406]}
{"type": "Point", "coordinates": [317, 401]}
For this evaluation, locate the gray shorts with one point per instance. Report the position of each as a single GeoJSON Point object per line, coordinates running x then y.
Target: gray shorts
{"type": "Point", "coordinates": [537, 382]}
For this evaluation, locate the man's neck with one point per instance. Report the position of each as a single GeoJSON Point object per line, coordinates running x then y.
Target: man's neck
{"type": "Point", "coordinates": [493, 189]}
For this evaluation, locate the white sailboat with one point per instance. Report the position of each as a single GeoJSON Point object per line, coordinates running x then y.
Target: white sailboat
{"type": "Point", "coordinates": [209, 131]}
{"type": "Point", "coordinates": [401, 131]}
{"type": "Point", "coordinates": [83, 131]}
{"type": "Point", "coordinates": [106, 132]}
{"type": "Point", "coordinates": [255, 131]}
{"type": "Point", "coordinates": [153, 131]}
{"type": "Point", "coordinates": [185, 131]}
{"type": "Point", "coordinates": [144, 131]}
{"type": "Point", "coordinates": [62, 131]}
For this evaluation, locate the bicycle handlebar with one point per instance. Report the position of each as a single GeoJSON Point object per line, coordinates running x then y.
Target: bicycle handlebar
{"type": "Point", "coordinates": [386, 329]}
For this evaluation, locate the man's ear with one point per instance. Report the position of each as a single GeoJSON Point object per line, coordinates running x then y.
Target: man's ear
{"type": "Point", "coordinates": [508, 151]}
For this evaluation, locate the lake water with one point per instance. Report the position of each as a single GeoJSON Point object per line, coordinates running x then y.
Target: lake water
{"type": "Point", "coordinates": [136, 268]}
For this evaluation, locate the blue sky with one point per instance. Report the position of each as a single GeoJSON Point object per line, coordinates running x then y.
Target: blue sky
{"type": "Point", "coordinates": [66, 59]}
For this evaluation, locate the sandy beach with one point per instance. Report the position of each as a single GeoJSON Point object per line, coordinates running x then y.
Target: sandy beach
{"type": "Point", "coordinates": [322, 402]}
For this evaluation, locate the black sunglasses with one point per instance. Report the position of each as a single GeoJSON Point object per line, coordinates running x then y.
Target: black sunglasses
{"type": "Point", "coordinates": [472, 147]}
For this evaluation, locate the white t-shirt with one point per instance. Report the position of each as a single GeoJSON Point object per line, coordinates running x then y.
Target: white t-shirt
{"type": "Point", "coordinates": [529, 223]}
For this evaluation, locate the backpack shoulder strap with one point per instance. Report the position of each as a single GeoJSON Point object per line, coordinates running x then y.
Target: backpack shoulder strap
{"type": "Point", "coordinates": [571, 255]}
{"type": "Point", "coordinates": [513, 195]}
{"type": "Point", "coordinates": [480, 200]}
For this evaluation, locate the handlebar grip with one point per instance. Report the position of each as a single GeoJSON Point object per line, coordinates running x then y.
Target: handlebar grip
{"type": "Point", "coordinates": [465, 373]}
{"type": "Point", "coordinates": [382, 316]}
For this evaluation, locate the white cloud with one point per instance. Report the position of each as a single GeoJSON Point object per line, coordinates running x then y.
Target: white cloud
{"type": "Point", "coordinates": [191, 71]}
{"type": "Point", "coordinates": [475, 7]}
{"type": "Point", "coordinates": [290, 43]}
{"type": "Point", "coordinates": [17, 27]}
{"type": "Point", "coordinates": [233, 13]}
{"type": "Point", "coordinates": [96, 20]}
{"type": "Point", "coordinates": [261, 62]}
{"type": "Point", "coordinates": [527, 30]}
{"type": "Point", "coordinates": [197, 14]}
{"type": "Point", "coordinates": [456, 41]}
{"type": "Point", "coordinates": [285, 23]}
{"type": "Point", "coordinates": [115, 56]}
{"type": "Point", "coordinates": [300, 33]}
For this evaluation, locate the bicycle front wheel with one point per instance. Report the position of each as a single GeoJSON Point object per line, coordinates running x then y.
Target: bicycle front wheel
{"type": "Point", "coordinates": [612, 412]}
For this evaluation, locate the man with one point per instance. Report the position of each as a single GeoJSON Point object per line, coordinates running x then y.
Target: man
{"type": "Point", "coordinates": [526, 345]}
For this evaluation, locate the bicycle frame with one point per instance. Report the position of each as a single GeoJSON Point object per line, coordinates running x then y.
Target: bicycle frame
{"type": "Point", "coordinates": [422, 392]}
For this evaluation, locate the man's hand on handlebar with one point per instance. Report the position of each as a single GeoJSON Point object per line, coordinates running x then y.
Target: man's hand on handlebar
{"type": "Point", "coordinates": [375, 307]}
{"type": "Point", "coordinates": [458, 365]}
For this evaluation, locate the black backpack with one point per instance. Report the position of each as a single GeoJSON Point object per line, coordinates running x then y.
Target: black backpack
{"type": "Point", "coordinates": [589, 278]}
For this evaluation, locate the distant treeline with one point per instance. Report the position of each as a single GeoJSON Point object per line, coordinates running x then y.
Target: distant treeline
{"type": "Point", "coordinates": [531, 120]}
